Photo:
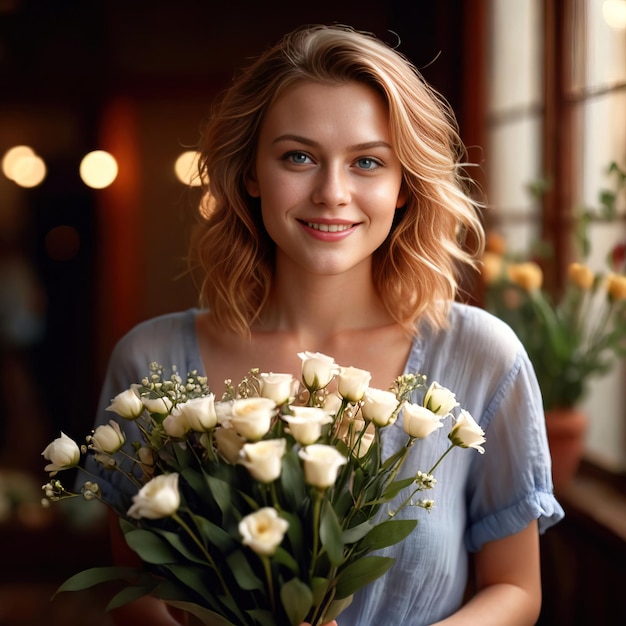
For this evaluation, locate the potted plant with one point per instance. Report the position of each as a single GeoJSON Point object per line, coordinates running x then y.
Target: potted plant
{"type": "Point", "coordinates": [571, 337]}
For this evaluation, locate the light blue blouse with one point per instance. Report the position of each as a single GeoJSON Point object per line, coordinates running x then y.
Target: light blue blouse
{"type": "Point", "coordinates": [478, 498]}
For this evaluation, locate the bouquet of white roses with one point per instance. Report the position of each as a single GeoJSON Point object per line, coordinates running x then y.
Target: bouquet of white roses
{"type": "Point", "coordinates": [266, 506]}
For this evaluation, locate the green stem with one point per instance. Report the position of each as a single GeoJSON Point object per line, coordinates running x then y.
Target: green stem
{"type": "Point", "coordinates": [317, 508]}
{"type": "Point", "coordinates": [181, 522]}
{"type": "Point", "coordinates": [267, 567]}
{"type": "Point", "coordinates": [417, 489]}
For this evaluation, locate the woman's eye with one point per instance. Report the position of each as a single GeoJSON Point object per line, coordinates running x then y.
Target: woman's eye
{"type": "Point", "coordinates": [299, 158]}
{"type": "Point", "coordinates": [367, 163]}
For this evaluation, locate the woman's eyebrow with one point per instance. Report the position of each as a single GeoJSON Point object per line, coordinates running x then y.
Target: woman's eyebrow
{"type": "Point", "coordinates": [368, 145]}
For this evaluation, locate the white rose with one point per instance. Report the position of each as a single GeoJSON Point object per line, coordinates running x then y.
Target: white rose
{"type": "Point", "coordinates": [305, 425]}
{"type": "Point", "coordinates": [277, 387]}
{"type": "Point", "coordinates": [263, 530]}
{"type": "Point", "coordinates": [321, 465]}
{"type": "Point", "coordinates": [229, 444]}
{"type": "Point", "coordinates": [108, 438]}
{"type": "Point", "coordinates": [176, 424]}
{"type": "Point", "coordinates": [161, 405]}
{"type": "Point", "coordinates": [252, 417]}
{"type": "Point", "coordinates": [317, 369]}
{"type": "Point", "coordinates": [364, 443]}
{"type": "Point", "coordinates": [264, 459]}
{"type": "Point", "coordinates": [440, 400]}
{"type": "Point", "coordinates": [466, 433]}
{"type": "Point", "coordinates": [419, 421]}
{"type": "Point", "coordinates": [199, 413]}
{"type": "Point", "coordinates": [127, 404]}
{"type": "Point", "coordinates": [332, 403]}
{"type": "Point", "coordinates": [352, 383]}
{"type": "Point", "coordinates": [158, 498]}
{"type": "Point", "coordinates": [379, 406]}
{"type": "Point", "coordinates": [63, 453]}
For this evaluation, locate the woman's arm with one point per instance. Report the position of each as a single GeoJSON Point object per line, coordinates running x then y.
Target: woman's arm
{"type": "Point", "coordinates": [508, 581]}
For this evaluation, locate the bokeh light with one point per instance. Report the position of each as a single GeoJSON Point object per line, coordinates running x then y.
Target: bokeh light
{"type": "Point", "coordinates": [186, 168]}
{"type": "Point", "coordinates": [614, 13]}
{"type": "Point", "coordinates": [98, 169]}
{"type": "Point", "coordinates": [21, 165]}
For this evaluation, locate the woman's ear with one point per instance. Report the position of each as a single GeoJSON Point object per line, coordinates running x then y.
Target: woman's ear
{"type": "Point", "coordinates": [252, 185]}
{"type": "Point", "coordinates": [403, 196]}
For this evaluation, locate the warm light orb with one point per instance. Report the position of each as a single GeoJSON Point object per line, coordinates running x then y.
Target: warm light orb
{"type": "Point", "coordinates": [186, 168]}
{"type": "Point", "coordinates": [21, 165]}
{"type": "Point", "coordinates": [98, 169]}
{"type": "Point", "coordinates": [614, 13]}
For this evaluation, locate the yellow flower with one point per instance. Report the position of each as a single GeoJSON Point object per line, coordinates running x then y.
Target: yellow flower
{"type": "Point", "coordinates": [492, 267]}
{"type": "Point", "coordinates": [495, 243]}
{"type": "Point", "coordinates": [528, 276]}
{"type": "Point", "coordinates": [581, 276]}
{"type": "Point", "coordinates": [616, 286]}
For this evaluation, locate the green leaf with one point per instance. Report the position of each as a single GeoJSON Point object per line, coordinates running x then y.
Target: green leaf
{"type": "Point", "coordinates": [330, 534]}
{"type": "Point", "coordinates": [262, 617]}
{"type": "Point", "coordinates": [176, 542]}
{"type": "Point", "coordinates": [336, 608]}
{"type": "Point", "coordinates": [222, 492]}
{"type": "Point", "coordinates": [283, 557]}
{"type": "Point", "coordinates": [292, 481]}
{"type": "Point", "coordinates": [205, 616]}
{"type": "Point", "coordinates": [361, 573]}
{"type": "Point", "coordinates": [192, 577]}
{"type": "Point", "coordinates": [388, 533]}
{"type": "Point", "coordinates": [129, 594]}
{"type": "Point", "coordinates": [215, 534]}
{"type": "Point", "coordinates": [319, 587]}
{"type": "Point", "coordinates": [150, 547]}
{"type": "Point", "coordinates": [97, 575]}
{"type": "Point", "coordinates": [297, 599]}
{"type": "Point", "coordinates": [242, 571]}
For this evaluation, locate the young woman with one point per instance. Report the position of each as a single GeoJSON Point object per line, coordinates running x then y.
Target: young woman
{"type": "Point", "coordinates": [335, 221]}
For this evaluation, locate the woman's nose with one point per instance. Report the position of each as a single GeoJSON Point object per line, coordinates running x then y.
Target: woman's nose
{"type": "Point", "coordinates": [332, 187]}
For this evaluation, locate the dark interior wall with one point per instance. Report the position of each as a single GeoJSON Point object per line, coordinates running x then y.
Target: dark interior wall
{"type": "Point", "coordinates": [64, 64]}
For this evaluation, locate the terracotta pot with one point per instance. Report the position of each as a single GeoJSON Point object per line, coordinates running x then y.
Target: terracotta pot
{"type": "Point", "coordinates": [566, 429]}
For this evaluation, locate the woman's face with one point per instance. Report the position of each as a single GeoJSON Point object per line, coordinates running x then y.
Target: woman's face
{"type": "Point", "coordinates": [327, 177]}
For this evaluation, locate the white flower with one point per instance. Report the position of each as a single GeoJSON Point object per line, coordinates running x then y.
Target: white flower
{"type": "Point", "coordinates": [200, 413]}
{"type": "Point", "coordinates": [440, 400]}
{"type": "Point", "coordinates": [229, 443]}
{"type": "Point", "coordinates": [317, 369]}
{"type": "Point", "coordinates": [352, 383]}
{"type": "Point", "coordinates": [161, 405]}
{"type": "Point", "coordinates": [264, 459]}
{"type": "Point", "coordinates": [321, 465]}
{"type": "Point", "coordinates": [277, 387]}
{"type": "Point", "coordinates": [127, 404]}
{"type": "Point", "coordinates": [364, 444]}
{"type": "Point", "coordinates": [252, 417]}
{"type": "Point", "coordinates": [379, 406]}
{"type": "Point", "coordinates": [176, 424]}
{"type": "Point", "coordinates": [305, 425]}
{"type": "Point", "coordinates": [332, 403]}
{"type": "Point", "coordinates": [263, 530]}
{"type": "Point", "coordinates": [419, 422]}
{"type": "Point", "coordinates": [158, 498]}
{"type": "Point", "coordinates": [63, 453]}
{"type": "Point", "coordinates": [108, 438]}
{"type": "Point", "coordinates": [466, 433]}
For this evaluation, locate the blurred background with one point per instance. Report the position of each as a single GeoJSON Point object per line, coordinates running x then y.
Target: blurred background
{"type": "Point", "coordinates": [539, 89]}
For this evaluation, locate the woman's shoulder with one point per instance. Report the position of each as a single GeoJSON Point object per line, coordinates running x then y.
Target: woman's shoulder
{"type": "Point", "coordinates": [475, 334]}
{"type": "Point", "coordinates": [162, 339]}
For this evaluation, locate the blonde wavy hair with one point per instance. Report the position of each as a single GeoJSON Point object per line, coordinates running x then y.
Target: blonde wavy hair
{"type": "Point", "coordinates": [416, 269]}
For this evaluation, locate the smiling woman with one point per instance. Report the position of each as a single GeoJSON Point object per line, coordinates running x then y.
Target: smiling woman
{"type": "Point", "coordinates": [338, 213]}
